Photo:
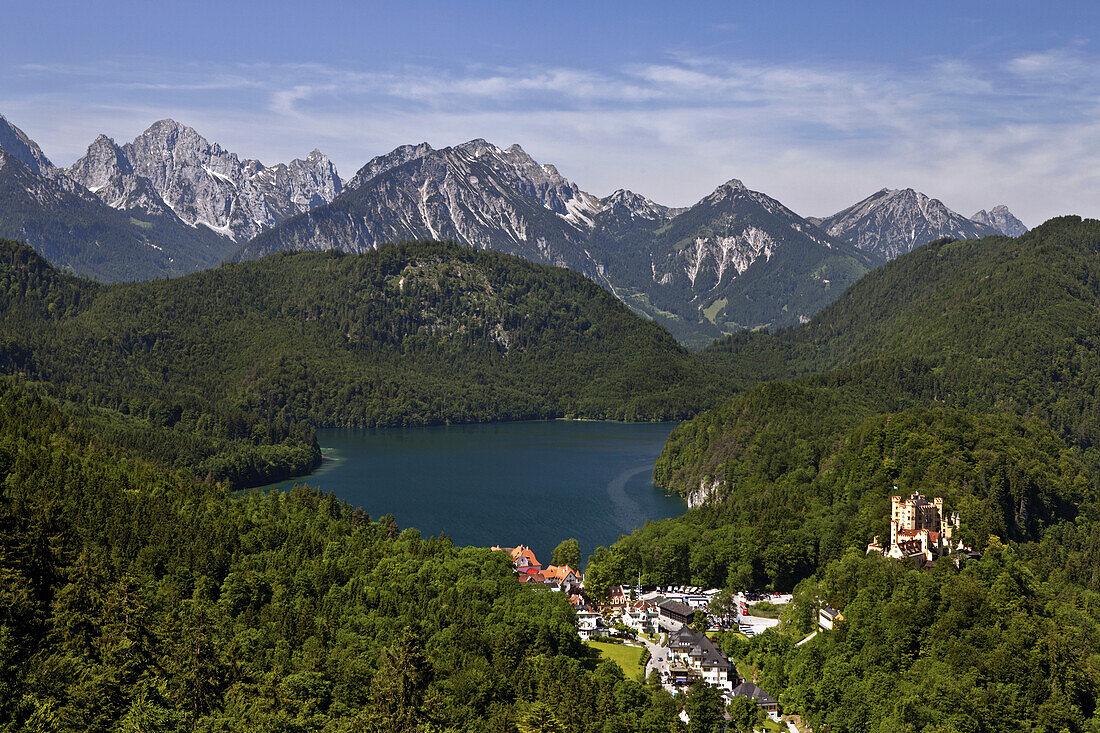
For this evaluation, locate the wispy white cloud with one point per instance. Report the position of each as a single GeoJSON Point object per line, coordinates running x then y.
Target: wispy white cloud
{"type": "Point", "coordinates": [1024, 131]}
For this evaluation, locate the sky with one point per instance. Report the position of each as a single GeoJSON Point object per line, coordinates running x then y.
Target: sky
{"type": "Point", "coordinates": [818, 104]}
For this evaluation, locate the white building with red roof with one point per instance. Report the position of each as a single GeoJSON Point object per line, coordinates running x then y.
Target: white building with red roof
{"type": "Point", "coordinates": [522, 557]}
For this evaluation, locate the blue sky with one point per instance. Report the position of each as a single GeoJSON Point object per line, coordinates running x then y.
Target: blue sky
{"type": "Point", "coordinates": [818, 104]}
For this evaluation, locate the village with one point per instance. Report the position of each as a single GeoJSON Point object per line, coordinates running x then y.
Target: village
{"type": "Point", "coordinates": [675, 626]}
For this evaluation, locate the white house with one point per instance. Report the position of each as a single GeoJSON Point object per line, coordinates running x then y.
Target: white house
{"type": "Point", "coordinates": [591, 624]}
{"type": "Point", "coordinates": [829, 618]}
{"type": "Point", "coordinates": [698, 651]}
{"type": "Point", "coordinates": [641, 619]}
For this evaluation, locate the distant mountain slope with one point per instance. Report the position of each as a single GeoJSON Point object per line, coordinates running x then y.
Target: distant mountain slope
{"type": "Point", "coordinates": [1001, 219]}
{"type": "Point", "coordinates": [408, 334]}
{"type": "Point", "coordinates": [737, 259]}
{"type": "Point", "coordinates": [892, 222]}
{"type": "Point", "coordinates": [16, 143]}
{"type": "Point", "coordinates": [475, 194]}
{"type": "Point", "coordinates": [689, 269]}
{"type": "Point", "coordinates": [75, 231]}
{"type": "Point", "coordinates": [201, 182]}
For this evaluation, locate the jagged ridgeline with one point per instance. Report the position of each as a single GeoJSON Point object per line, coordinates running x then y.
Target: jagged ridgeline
{"type": "Point", "coordinates": [968, 369]}
{"type": "Point", "coordinates": [410, 334]}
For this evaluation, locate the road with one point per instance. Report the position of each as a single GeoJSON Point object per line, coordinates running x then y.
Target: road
{"type": "Point", "coordinates": [656, 651]}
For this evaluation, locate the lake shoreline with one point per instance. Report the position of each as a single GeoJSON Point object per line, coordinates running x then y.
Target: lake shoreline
{"type": "Point", "coordinates": [533, 482]}
{"type": "Point", "coordinates": [320, 466]}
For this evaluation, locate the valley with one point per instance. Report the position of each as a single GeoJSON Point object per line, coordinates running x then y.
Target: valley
{"type": "Point", "coordinates": [184, 545]}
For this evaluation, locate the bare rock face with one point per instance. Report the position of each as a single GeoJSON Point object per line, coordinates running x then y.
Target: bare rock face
{"type": "Point", "coordinates": [377, 166]}
{"type": "Point", "coordinates": [741, 259]}
{"type": "Point", "coordinates": [630, 205]}
{"type": "Point", "coordinates": [103, 161]}
{"type": "Point", "coordinates": [892, 222]}
{"type": "Point", "coordinates": [1001, 219]}
{"type": "Point", "coordinates": [16, 143]}
{"type": "Point", "coordinates": [202, 183]}
{"type": "Point", "coordinates": [474, 193]}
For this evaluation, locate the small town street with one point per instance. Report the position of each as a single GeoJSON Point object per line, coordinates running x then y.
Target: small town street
{"type": "Point", "coordinates": [656, 651]}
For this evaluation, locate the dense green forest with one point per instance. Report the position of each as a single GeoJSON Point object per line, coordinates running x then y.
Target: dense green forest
{"type": "Point", "coordinates": [981, 324]}
{"type": "Point", "coordinates": [802, 490]}
{"type": "Point", "coordinates": [413, 333]}
{"type": "Point", "coordinates": [995, 343]}
{"type": "Point", "coordinates": [1007, 643]}
{"type": "Point", "coordinates": [965, 370]}
{"type": "Point", "coordinates": [249, 358]}
{"type": "Point", "coordinates": [134, 599]}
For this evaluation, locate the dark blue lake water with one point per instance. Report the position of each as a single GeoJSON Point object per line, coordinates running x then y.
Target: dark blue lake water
{"type": "Point", "coordinates": [535, 483]}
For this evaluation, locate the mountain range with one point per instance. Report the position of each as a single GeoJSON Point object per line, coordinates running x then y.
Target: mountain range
{"type": "Point", "coordinates": [170, 202]}
{"type": "Point", "coordinates": [172, 167]}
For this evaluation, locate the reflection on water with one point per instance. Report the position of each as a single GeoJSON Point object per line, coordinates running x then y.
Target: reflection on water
{"type": "Point", "coordinates": [531, 482]}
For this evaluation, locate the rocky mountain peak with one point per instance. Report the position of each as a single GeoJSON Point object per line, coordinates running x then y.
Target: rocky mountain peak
{"type": "Point", "coordinates": [539, 181]}
{"type": "Point", "coordinates": [479, 147]}
{"type": "Point", "coordinates": [1001, 219]}
{"type": "Point", "coordinates": [891, 222]}
{"type": "Point", "coordinates": [730, 188]}
{"type": "Point", "coordinates": [634, 205]}
{"type": "Point", "coordinates": [397, 157]}
{"type": "Point", "coordinates": [624, 197]}
{"type": "Point", "coordinates": [167, 126]}
{"type": "Point", "coordinates": [22, 148]}
{"type": "Point", "coordinates": [171, 167]}
{"type": "Point", "coordinates": [103, 160]}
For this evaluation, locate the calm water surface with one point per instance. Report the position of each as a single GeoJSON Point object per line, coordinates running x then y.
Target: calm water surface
{"type": "Point", "coordinates": [535, 483]}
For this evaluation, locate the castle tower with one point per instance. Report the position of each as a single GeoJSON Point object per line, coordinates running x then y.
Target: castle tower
{"type": "Point", "coordinates": [895, 517]}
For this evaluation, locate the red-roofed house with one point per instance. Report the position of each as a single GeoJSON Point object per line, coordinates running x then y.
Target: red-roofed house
{"type": "Point", "coordinates": [522, 557]}
{"type": "Point", "coordinates": [563, 574]}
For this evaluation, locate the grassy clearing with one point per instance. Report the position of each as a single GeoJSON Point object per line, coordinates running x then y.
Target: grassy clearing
{"type": "Point", "coordinates": [765, 610]}
{"type": "Point", "coordinates": [627, 657]}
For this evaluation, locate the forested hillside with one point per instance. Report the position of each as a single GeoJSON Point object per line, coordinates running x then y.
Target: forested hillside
{"type": "Point", "coordinates": [411, 334]}
{"type": "Point", "coordinates": [1010, 643]}
{"type": "Point", "coordinates": [965, 370]}
{"type": "Point", "coordinates": [998, 335]}
{"type": "Point", "coordinates": [803, 476]}
{"type": "Point", "coordinates": [994, 323]}
{"type": "Point", "coordinates": [136, 599]}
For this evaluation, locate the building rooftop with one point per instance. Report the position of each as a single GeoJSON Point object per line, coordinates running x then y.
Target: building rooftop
{"type": "Point", "coordinates": [699, 646]}
{"type": "Point", "coordinates": [681, 609]}
{"type": "Point", "coordinates": [748, 689]}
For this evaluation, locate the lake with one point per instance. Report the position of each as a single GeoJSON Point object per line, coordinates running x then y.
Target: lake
{"type": "Point", "coordinates": [534, 483]}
